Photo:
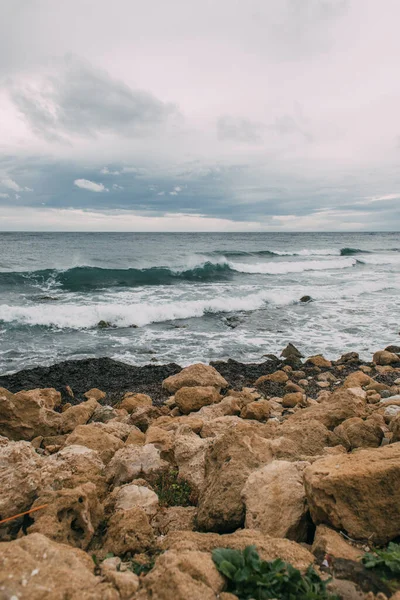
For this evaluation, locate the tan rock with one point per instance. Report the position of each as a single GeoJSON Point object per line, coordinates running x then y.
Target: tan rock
{"type": "Point", "coordinates": [128, 531]}
{"type": "Point", "coordinates": [173, 423]}
{"type": "Point", "coordinates": [46, 398]}
{"type": "Point", "coordinates": [144, 416]}
{"type": "Point", "coordinates": [295, 440]}
{"type": "Point", "coordinates": [71, 517]}
{"type": "Point", "coordinates": [395, 427]}
{"type": "Point", "coordinates": [175, 518]}
{"type": "Point", "coordinates": [132, 401]}
{"type": "Point", "coordinates": [191, 399]}
{"type": "Point", "coordinates": [292, 400]}
{"type": "Point", "coordinates": [275, 500]}
{"type": "Point", "coordinates": [19, 479]}
{"type": "Point", "coordinates": [134, 461]}
{"type": "Point", "coordinates": [229, 406]}
{"type": "Point", "coordinates": [136, 437]}
{"type": "Point", "coordinates": [220, 425]}
{"type": "Point", "coordinates": [269, 548]}
{"type": "Point", "coordinates": [357, 379]}
{"type": "Point", "coordinates": [291, 387]}
{"type": "Point", "coordinates": [131, 496]}
{"type": "Point", "coordinates": [229, 461]}
{"type": "Point", "coordinates": [341, 405]}
{"type": "Point", "coordinates": [193, 376]}
{"type": "Point", "coordinates": [356, 433]}
{"type": "Point", "coordinates": [183, 575]}
{"type": "Point", "coordinates": [45, 570]}
{"type": "Point", "coordinates": [161, 439]}
{"type": "Point", "coordinates": [259, 410]}
{"type": "Point", "coordinates": [190, 451]}
{"type": "Point", "coordinates": [383, 357]}
{"type": "Point", "coordinates": [78, 415]}
{"type": "Point", "coordinates": [328, 541]}
{"type": "Point", "coordinates": [277, 377]}
{"type": "Point", "coordinates": [126, 582]}
{"type": "Point", "coordinates": [319, 361]}
{"type": "Point", "coordinates": [96, 439]}
{"type": "Point", "coordinates": [357, 493]}
{"type": "Point", "coordinates": [115, 428]}
{"type": "Point", "coordinates": [96, 394]}
{"type": "Point", "coordinates": [24, 416]}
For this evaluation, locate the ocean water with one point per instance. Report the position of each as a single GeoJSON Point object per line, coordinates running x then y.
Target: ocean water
{"type": "Point", "coordinates": [195, 297]}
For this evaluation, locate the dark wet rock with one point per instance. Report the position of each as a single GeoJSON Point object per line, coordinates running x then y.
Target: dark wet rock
{"type": "Point", "coordinates": [394, 349]}
{"type": "Point", "coordinates": [104, 325]}
{"type": "Point", "coordinates": [241, 375]}
{"type": "Point", "coordinates": [46, 298]}
{"type": "Point", "coordinates": [305, 299]}
{"type": "Point", "coordinates": [232, 321]}
{"type": "Point", "coordinates": [350, 357]}
{"type": "Point", "coordinates": [291, 352]}
{"type": "Point", "coordinates": [365, 578]}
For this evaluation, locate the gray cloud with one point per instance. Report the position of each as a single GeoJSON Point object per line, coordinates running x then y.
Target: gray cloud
{"type": "Point", "coordinates": [239, 130]}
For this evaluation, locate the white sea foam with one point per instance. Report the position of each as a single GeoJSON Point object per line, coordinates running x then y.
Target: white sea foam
{"type": "Point", "coordinates": [281, 268]}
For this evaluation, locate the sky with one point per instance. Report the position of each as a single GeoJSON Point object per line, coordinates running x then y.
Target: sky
{"type": "Point", "coordinates": [199, 115]}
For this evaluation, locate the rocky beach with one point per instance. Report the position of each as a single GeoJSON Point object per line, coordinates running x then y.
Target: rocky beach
{"type": "Point", "coordinates": [157, 482]}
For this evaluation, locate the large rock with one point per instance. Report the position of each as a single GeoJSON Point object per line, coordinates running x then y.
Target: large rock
{"type": "Point", "coordinates": [356, 433]}
{"type": "Point", "coordinates": [341, 405]}
{"type": "Point", "coordinates": [395, 427]}
{"type": "Point", "coordinates": [259, 410]}
{"type": "Point", "coordinates": [24, 416]}
{"type": "Point", "coordinates": [190, 399]}
{"type": "Point", "coordinates": [78, 415]}
{"type": "Point", "coordinates": [129, 531]}
{"type": "Point", "coordinates": [357, 492]}
{"type": "Point", "coordinates": [183, 576]}
{"type": "Point", "coordinates": [275, 500]}
{"type": "Point", "coordinates": [295, 440]}
{"type": "Point", "coordinates": [195, 375]}
{"type": "Point", "coordinates": [46, 397]}
{"type": "Point", "coordinates": [357, 379]}
{"type": "Point", "coordinates": [71, 516]}
{"type": "Point", "coordinates": [97, 439]}
{"type": "Point", "coordinates": [131, 496]}
{"type": "Point", "coordinates": [383, 357]}
{"type": "Point", "coordinates": [135, 461]}
{"type": "Point", "coordinates": [175, 518]}
{"type": "Point", "coordinates": [229, 462]}
{"type": "Point", "coordinates": [19, 478]}
{"type": "Point", "coordinates": [277, 377]}
{"type": "Point", "coordinates": [329, 542]}
{"type": "Point", "coordinates": [190, 452]}
{"type": "Point", "coordinates": [319, 361]}
{"type": "Point", "coordinates": [41, 569]}
{"type": "Point", "coordinates": [131, 401]}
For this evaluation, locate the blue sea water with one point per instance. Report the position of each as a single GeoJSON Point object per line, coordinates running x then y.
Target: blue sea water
{"type": "Point", "coordinates": [187, 297]}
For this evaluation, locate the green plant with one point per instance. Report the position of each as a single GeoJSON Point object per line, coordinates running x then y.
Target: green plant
{"type": "Point", "coordinates": [171, 490]}
{"type": "Point", "coordinates": [251, 578]}
{"type": "Point", "coordinates": [141, 568]}
{"type": "Point", "coordinates": [385, 560]}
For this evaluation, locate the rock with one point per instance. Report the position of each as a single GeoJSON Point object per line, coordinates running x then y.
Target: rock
{"type": "Point", "coordinates": [275, 500]}
{"type": "Point", "coordinates": [357, 492]}
{"type": "Point", "coordinates": [71, 517]}
{"type": "Point", "coordinates": [78, 415]}
{"type": "Point", "coordinates": [45, 570]}
{"type": "Point", "coordinates": [104, 324]}
{"type": "Point", "coordinates": [126, 582]}
{"type": "Point", "coordinates": [132, 401]}
{"type": "Point", "coordinates": [291, 351]}
{"type": "Point", "coordinates": [144, 416]}
{"type": "Point", "coordinates": [292, 400]}
{"type": "Point", "coordinates": [302, 440]}
{"type": "Point", "coordinates": [395, 427]}
{"type": "Point", "coordinates": [134, 461]}
{"type": "Point", "coordinates": [306, 299]}
{"type": "Point", "coordinates": [349, 357]}
{"type": "Point", "coordinates": [163, 440]}
{"type": "Point", "coordinates": [190, 451]}
{"type": "Point", "coordinates": [72, 467]}
{"type": "Point", "coordinates": [269, 548]}
{"type": "Point", "coordinates": [356, 433]}
{"type": "Point", "coordinates": [114, 428]}
{"type": "Point", "coordinates": [190, 399]}
{"type": "Point", "coordinates": [94, 438]}
{"type": "Point", "coordinates": [182, 576]}
{"type": "Point", "coordinates": [104, 414]}
{"type": "Point", "coordinates": [383, 357]}
{"type": "Point", "coordinates": [175, 518]}
{"type": "Point", "coordinates": [229, 462]}
{"type": "Point", "coordinates": [46, 398]}
{"type": "Point", "coordinates": [24, 415]}
{"type": "Point", "coordinates": [341, 405]}
{"type": "Point", "coordinates": [328, 541]}
{"type": "Point", "coordinates": [19, 479]}
{"type": "Point", "coordinates": [259, 410]}
{"type": "Point", "coordinates": [319, 361]}
{"type": "Point", "coordinates": [131, 496]}
{"type": "Point", "coordinates": [291, 387]}
{"type": "Point", "coordinates": [96, 394]}
{"type": "Point", "coordinates": [220, 425]}
{"type": "Point", "coordinates": [136, 437]}
{"type": "Point", "coordinates": [129, 531]}
{"type": "Point", "coordinates": [193, 376]}
{"type": "Point", "coordinates": [277, 377]}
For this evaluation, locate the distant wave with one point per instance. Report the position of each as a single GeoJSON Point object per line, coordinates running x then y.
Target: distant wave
{"type": "Point", "coordinates": [303, 252]}
{"type": "Point", "coordinates": [281, 268]}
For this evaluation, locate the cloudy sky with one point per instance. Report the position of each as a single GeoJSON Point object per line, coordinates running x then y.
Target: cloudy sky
{"type": "Point", "coordinates": [216, 115]}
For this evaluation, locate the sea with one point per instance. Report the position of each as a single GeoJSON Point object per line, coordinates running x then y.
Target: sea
{"type": "Point", "coordinates": [145, 298]}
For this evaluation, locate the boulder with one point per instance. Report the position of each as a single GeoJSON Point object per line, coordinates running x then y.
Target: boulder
{"type": "Point", "coordinates": [291, 351]}
{"type": "Point", "coordinates": [395, 427]}
{"type": "Point", "coordinates": [126, 582]}
{"type": "Point", "coordinates": [229, 461]}
{"type": "Point", "coordinates": [128, 531]}
{"type": "Point", "coordinates": [135, 461]}
{"type": "Point", "coordinates": [383, 357]}
{"type": "Point", "coordinates": [357, 379]}
{"type": "Point", "coordinates": [96, 439]}
{"type": "Point", "coordinates": [182, 576]}
{"type": "Point", "coordinates": [71, 517]}
{"type": "Point", "coordinates": [191, 399]}
{"type": "Point", "coordinates": [275, 500]}
{"type": "Point", "coordinates": [357, 492]}
{"type": "Point", "coordinates": [295, 440]}
{"type": "Point", "coordinates": [163, 440]}
{"type": "Point", "coordinates": [319, 361]}
{"type": "Point", "coordinates": [131, 496]}
{"type": "Point", "coordinates": [356, 433]}
{"type": "Point", "coordinates": [45, 570]}
{"type": "Point", "coordinates": [78, 415]}
{"type": "Point", "coordinates": [115, 428]}
{"type": "Point", "coordinates": [193, 376]}
{"type": "Point", "coordinates": [341, 405]}
{"type": "Point", "coordinates": [24, 416]}
{"type": "Point", "coordinates": [131, 402]}
{"type": "Point", "coordinates": [96, 394]}
{"type": "Point", "coordinates": [220, 425]}
{"type": "Point", "coordinates": [293, 399]}
{"type": "Point", "coordinates": [329, 542]}
{"type": "Point", "coordinates": [259, 410]}
{"type": "Point", "coordinates": [277, 377]}
{"type": "Point", "coordinates": [175, 518]}
{"type": "Point", "coordinates": [46, 398]}
{"type": "Point", "coordinates": [135, 437]}
{"type": "Point", "coordinates": [189, 452]}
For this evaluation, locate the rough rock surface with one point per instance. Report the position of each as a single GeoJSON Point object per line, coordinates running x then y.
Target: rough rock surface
{"type": "Point", "coordinates": [195, 375]}
{"type": "Point", "coordinates": [128, 531]}
{"type": "Point", "coordinates": [24, 416]}
{"type": "Point", "coordinates": [134, 461]}
{"type": "Point", "coordinates": [356, 433]}
{"type": "Point", "coordinates": [190, 399]}
{"type": "Point", "coordinates": [96, 439]}
{"type": "Point", "coordinates": [327, 541]}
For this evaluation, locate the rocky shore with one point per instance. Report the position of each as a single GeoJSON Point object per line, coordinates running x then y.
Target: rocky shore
{"type": "Point", "coordinates": [121, 482]}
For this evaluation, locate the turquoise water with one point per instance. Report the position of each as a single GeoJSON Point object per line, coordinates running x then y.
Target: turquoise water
{"type": "Point", "coordinates": [190, 297]}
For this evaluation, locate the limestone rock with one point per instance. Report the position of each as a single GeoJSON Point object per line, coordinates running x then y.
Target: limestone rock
{"type": "Point", "coordinates": [132, 401]}
{"type": "Point", "coordinates": [134, 461]}
{"type": "Point", "coordinates": [190, 399]}
{"type": "Point", "coordinates": [175, 518]}
{"type": "Point", "coordinates": [277, 377]}
{"type": "Point", "coordinates": [129, 531]}
{"type": "Point", "coordinates": [319, 361]}
{"type": "Point", "coordinates": [195, 375]}
{"type": "Point", "coordinates": [229, 462]}
{"type": "Point", "coordinates": [220, 425]}
{"type": "Point", "coordinates": [163, 440]}
{"type": "Point", "coordinates": [341, 405]}
{"type": "Point", "coordinates": [96, 439]}
{"type": "Point", "coordinates": [295, 440]}
{"type": "Point", "coordinates": [189, 452]}
{"type": "Point", "coordinates": [357, 379]}
{"type": "Point", "coordinates": [383, 357]}
{"type": "Point", "coordinates": [78, 415]}
{"type": "Point", "coordinates": [131, 496]}
{"type": "Point", "coordinates": [46, 398]}
{"type": "Point", "coordinates": [71, 516]}
{"type": "Point", "coordinates": [24, 416]}
{"type": "Point", "coordinates": [135, 438]}
{"type": "Point", "coordinates": [356, 433]}
{"type": "Point", "coordinates": [45, 570]}
{"type": "Point", "coordinates": [357, 492]}
{"type": "Point", "coordinates": [115, 428]}
{"type": "Point", "coordinates": [395, 427]}
{"type": "Point", "coordinates": [292, 400]}
{"type": "Point", "coordinates": [259, 410]}
{"type": "Point", "coordinates": [275, 500]}
{"type": "Point", "coordinates": [96, 394]}
{"type": "Point", "coordinates": [126, 582]}
{"type": "Point", "coordinates": [328, 541]}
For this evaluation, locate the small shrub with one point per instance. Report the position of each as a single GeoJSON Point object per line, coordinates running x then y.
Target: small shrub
{"type": "Point", "coordinates": [141, 568]}
{"type": "Point", "coordinates": [249, 577]}
{"type": "Point", "coordinates": [173, 491]}
{"type": "Point", "coordinates": [386, 561]}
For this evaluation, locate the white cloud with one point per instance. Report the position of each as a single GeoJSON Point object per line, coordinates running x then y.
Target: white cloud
{"type": "Point", "coordinates": [11, 184]}
{"type": "Point", "coordinates": [3, 195]}
{"type": "Point", "coordinates": [161, 194]}
{"type": "Point", "coordinates": [106, 171]}
{"type": "Point", "coordinates": [17, 196]}
{"type": "Point", "coordinates": [85, 184]}
{"type": "Point", "coordinates": [117, 187]}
